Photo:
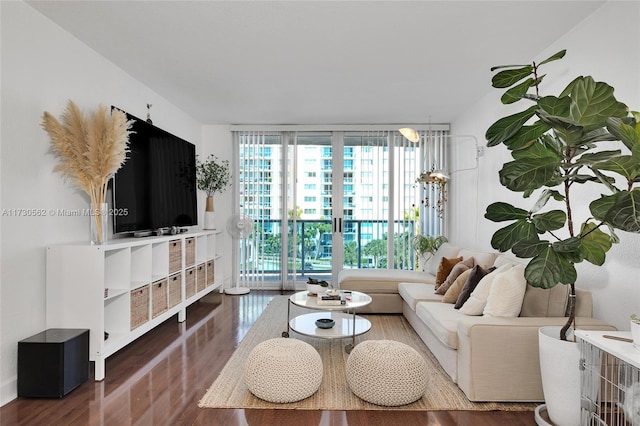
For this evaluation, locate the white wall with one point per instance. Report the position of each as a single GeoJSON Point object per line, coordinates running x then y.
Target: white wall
{"type": "Point", "coordinates": [217, 141]}
{"type": "Point", "coordinates": [43, 67]}
{"type": "Point", "coordinates": [607, 47]}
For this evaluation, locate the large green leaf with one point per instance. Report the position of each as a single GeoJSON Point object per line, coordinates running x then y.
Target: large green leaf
{"type": "Point", "coordinates": [549, 221]}
{"type": "Point", "coordinates": [568, 273]}
{"type": "Point", "coordinates": [580, 178]}
{"type": "Point", "coordinates": [553, 143]}
{"type": "Point", "coordinates": [629, 134]}
{"type": "Point", "coordinates": [597, 135]}
{"type": "Point", "coordinates": [529, 173]}
{"type": "Point", "coordinates": [537, 150]}
{"type": "Point", "coordinates": [526, 136]}
{"type": "Point", "coordinates": [529, 248]}
{"type": "Point", "coordinates": [508, 126]}
{"type": "Point", "coordinates": [499, 67]}
{"type": "Point", "coordinates": [544, 197]}
{"type": "Point", "coordinates": [601, 207]}
{"type": "Point", "coordinates": [595, 244]}
{"type": "Point", "coordinates": [621, 210]}
{"type": "Point", "coordinates": [508, 78]}
{"type": "Point", "coordinates": [590, 158]}
{"type": "Point", "coordinates": [554, 57]}
{"type": "Point", "coordinates": [505, 238]}
{"type": "Point", "coordinates": [625, 165]}
{"type": "Point", "coordinates": [554, 106]}
{"type": "Point", "coordinates": [500, 212]}
{"type": "Point", "coordinates": [568, 131]}
{"type": "Point", "coordinates": [593, 102]}
{"type": "Point", "coordinates": [568, 245]}
{"type": "Point", "coordinates": [515, 93]}
{"type": "Point", "coordinates": [548, 269]}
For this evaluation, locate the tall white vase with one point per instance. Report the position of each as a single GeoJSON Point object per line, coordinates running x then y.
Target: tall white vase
{"type": "Point", "coordinates": [209, 215]}
{"type": "Point", "coordinates": [559, 367]}
{"type": "Point", "coordinates": [98, 216]}
{"type": "Point", "coordinates": [423, 259]}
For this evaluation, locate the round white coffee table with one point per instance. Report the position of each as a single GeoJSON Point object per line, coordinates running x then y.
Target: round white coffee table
{"type": "Point", "coordinates": [347, 323]}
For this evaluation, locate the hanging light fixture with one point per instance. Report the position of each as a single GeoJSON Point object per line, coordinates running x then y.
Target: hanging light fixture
{"type": "Point", "coordinates": [436, 179]}
{"type": "Point", "coordinates": [412, 135]}
{"type": "Point", "coordinates": [440, 174]}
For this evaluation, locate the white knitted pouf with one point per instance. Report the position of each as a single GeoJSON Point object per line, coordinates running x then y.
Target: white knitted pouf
{"type": "Point", "coordinates": [386, 372]}
{"type": "Point", "coordinates": [283, 370]}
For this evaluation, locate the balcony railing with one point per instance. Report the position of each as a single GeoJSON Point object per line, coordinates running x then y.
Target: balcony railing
{"type": "Point", "coordinates": [312, 252]}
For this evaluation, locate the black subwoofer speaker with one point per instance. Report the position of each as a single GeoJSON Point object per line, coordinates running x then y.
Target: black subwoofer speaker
{"type": "Point", "coordinates": [53, 363]}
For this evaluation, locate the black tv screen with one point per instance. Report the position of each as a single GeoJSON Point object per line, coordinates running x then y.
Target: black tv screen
{"type": "Point", "coordinates": [156, 187]}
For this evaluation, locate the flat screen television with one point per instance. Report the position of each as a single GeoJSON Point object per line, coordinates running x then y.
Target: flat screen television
{"type": "Point", "coordinates": [156, 186]}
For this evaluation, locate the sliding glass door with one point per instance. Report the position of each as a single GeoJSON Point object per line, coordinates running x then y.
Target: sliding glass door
{"type": "Point", "coordinates": [327, 200]}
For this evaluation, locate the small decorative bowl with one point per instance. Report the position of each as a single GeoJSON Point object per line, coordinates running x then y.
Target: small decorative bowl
{"type": "Point", "coordinates": [315, 288]}
{"type": "Point", "coordinates": [325, 323]}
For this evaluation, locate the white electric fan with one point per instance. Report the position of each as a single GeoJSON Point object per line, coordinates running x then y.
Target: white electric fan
{"type": "Point", "coordinates": [239, 226]}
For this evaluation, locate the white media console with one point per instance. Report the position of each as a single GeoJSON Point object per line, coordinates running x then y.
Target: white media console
{"type": "Point", "coordinates": [126, 287]}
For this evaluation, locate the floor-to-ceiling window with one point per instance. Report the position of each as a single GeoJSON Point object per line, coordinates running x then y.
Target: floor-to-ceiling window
{"type": "Point", "coordinates": [324, 200]}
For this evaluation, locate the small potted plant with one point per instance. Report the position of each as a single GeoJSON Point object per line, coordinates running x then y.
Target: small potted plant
{"type": "Point", "coordinates": [425, 247]}
{"type": "Point", "coordinates": [212, 175]}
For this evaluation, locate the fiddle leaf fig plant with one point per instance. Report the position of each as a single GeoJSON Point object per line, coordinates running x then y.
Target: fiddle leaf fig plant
{"type": "Point", "coordinates": [582, 137]}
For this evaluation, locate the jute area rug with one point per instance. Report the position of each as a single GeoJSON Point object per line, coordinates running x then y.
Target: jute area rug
{"type": "Point", "coordinates": [229, 390]}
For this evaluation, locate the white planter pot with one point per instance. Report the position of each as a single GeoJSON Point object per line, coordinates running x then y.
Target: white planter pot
{"type": "Point", "coordinates": [423, 259]}
{"type": "Point", "coordinates": [209, 215]}
{"type": "Point", "coordinates": [209, 220]}
{"type": "Point", "coordinates": [559, 367]}
{"type": "Point", "coordinates": [635, 334]}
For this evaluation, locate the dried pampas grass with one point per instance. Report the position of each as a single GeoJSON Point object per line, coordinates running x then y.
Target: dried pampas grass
{"type": "Point", "coordinates": [90, 148]}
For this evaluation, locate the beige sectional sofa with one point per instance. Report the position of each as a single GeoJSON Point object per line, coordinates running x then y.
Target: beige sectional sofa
{"type": "Point", "coordinates": [491, 358]}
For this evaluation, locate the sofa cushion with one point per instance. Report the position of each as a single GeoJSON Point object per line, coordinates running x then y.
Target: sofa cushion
{"type": "Point", "coordinates": [507, 258]}
{"type": "Point", "coordinates": [506, 293]}
{"type": "Point", "coordinates": [445, 250]}
{"type": "Point", "coordinates": [412, 293]}
{"type": "Point", "coordinates": [482, 258]}
{"type": "Point", "coordinates": [442, 320]}
{"type": "Point", "coordinates": [477, 273]}
{"type": "Point", "coordinates": [454, 290]}
{"type": "Point", "coordinates": [478, 298]}
{"type": "Point", "coordinates": [458, 268]}
{"type": "Point", "coordinates": [379, 280]}
{"type": "Point", "coordinates": [446, 265]}
{"type": "Point", "coordinates": [541, 302]}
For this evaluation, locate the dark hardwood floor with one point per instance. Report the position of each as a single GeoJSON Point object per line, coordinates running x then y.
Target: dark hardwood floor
{"type": "Point", "coordinates": [159, 379]}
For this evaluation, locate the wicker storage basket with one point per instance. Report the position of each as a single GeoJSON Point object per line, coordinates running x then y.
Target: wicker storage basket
{"type": "Point", "coordinates": [201, 277]}
{"type": "Point", "coordinates": [190, 282]}
{"type": "Point", "coordinates": [190, 252]}
{"type": "Point", "coordinates": [139, 306]}
{"type": "Point", "coordinates": [159, 298]}
{"type": "Point", "coordinates": [175, 290]}
{"type": "Point", "coordinates": [210, 272]}
{"type": "Point", "coordinates": [175, 256]}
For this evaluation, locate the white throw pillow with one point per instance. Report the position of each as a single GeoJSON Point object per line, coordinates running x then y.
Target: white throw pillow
{"type": "Point", "coordinates": [446, 250]}
{"type": "Point", "coordinates": [478, 299]}
{"type": "Point", "coordinates": [506, 293]}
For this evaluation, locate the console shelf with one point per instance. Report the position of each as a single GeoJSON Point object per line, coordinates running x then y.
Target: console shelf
{"type": "Point", "coordinates": [128, 286]}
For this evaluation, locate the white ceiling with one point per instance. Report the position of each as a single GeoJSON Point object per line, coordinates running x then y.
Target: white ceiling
{"type": "Point", "coordinates": [317, 62]}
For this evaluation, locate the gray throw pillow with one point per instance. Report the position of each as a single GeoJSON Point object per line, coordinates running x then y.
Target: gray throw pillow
{"type": "Point", "coordinates": [474, 278]}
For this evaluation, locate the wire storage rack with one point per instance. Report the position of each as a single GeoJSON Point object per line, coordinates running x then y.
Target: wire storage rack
{"type": "Point", "coordinates": [609, 379]}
